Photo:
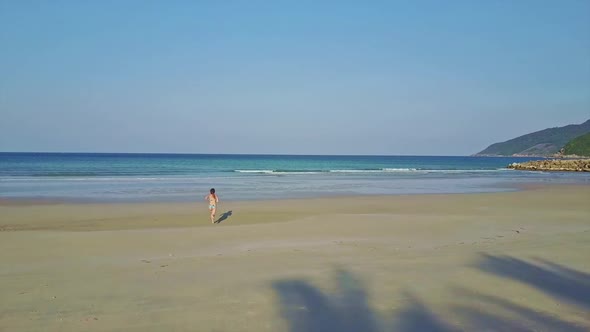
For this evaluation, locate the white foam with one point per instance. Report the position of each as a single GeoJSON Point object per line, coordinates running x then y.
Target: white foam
{"type": "Point", "coordinates": [383, 170]}
{"type": "Point", "coordinates": [260, 171]}
{"type": "Point", "coordinates": [462, 170]}
{"type": "Point", "coordinates": [355, 171]}
{"type": "Point", "coordinates": [298, 172]}
{"type": "Point", "coordinates": [265, 171]}
{"type": "Point", "coordinates": [399, 169]}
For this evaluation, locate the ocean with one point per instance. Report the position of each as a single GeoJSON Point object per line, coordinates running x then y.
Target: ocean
{"type": "Point", "coordinates": [105, 177]}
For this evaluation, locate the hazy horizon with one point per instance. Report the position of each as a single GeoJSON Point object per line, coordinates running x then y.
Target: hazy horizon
{"type": "Point", "coordinates": [278, 154]}
{"type": "Point", "coordinates": [386, 78]}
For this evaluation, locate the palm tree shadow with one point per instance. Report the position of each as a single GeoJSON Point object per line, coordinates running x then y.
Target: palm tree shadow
{"type": "Point", "coordinates": [415, 316]}
{"type": "Point", "coordinates": [507, 315]}
{"type": "Point", "coordinates": [223, 217]}
{"type": "Point", "coordinates": [306, 308]}
{"type": "Point", "coordinates": [551, 278]}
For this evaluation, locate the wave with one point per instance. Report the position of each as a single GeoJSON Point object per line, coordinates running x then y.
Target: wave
{"type": "Point", "coordinates": [375, 170]}
{"type": "Point", "coordinates": [65, 174]}
{"type": "Point", "coordinates": [399, 169]}
{"type": "Point", "coordinates": [462, 170]}
{"type": "Point", "coordinates": [278, 171]}
{"type": "Point", "coordinates": [265, 171]}
{"type": "Point", "coordinates": [128, 176]}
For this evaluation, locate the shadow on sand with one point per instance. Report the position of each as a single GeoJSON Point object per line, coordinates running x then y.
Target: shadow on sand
{"type": "Point", "coordinates": [223, 217]}
{"type": "Point", "coordinates": [553, 279]}
{"type": "Point", "coordinates": [305, 307]}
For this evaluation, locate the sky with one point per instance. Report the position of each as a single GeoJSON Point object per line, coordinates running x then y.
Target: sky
{"type": "Point", "coordinates": [289, 77]}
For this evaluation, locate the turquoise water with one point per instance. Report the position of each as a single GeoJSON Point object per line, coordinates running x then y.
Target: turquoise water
{"type": "Point", "coordinates": [175, 177]}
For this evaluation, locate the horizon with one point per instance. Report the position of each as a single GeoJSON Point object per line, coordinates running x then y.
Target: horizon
{"type": "Point", "coordinates": [255, 78]}
{"type": "Point", "coordinates": [283, 154]}
{"type": "Point", "coordinates": [267, 154]}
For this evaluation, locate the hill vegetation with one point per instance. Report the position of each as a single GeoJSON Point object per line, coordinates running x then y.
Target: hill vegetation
{"type": "Point", "coordinates": [541, 143]}
{"type": "Point", "coordinates": [579, 146]}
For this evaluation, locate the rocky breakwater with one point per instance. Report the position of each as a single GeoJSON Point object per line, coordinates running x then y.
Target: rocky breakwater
{"type": "Point", "coordinates": [554, 165]}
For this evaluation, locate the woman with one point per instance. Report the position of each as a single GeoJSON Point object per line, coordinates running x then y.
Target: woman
{"type": "Point", "coordinates": [213, 200]}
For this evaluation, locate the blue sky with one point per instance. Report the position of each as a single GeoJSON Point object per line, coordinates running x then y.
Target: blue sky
{"type": "Point", "coordinates": [301, 77]}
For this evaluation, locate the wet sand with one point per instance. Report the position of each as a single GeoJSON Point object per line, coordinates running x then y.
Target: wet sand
{"type": "Point", "coordinates": [497, 262]}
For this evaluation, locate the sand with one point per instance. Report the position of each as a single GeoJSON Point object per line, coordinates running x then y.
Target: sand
{"type": "Point", "coordinates": [516, 261]}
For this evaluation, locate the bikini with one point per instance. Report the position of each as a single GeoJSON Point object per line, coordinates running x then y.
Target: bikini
{"type": "Point", "coordinates": [212, 206]}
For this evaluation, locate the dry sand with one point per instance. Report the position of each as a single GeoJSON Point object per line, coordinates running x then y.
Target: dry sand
{"type": "Point", "coordinates": [481, 262]}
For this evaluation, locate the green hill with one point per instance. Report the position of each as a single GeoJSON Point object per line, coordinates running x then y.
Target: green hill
{"type": "Point", "coordinates": [579, 146]}
{"type": "Point", "coordinates": [541, 143]}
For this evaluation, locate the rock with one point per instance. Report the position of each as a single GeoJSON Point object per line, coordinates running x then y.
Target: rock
{"type": "Point", "coordinates": [554, 165]}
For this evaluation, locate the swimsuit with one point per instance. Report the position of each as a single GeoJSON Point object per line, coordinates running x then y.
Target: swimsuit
{"type": "Point", "coordinates": [211, 206]}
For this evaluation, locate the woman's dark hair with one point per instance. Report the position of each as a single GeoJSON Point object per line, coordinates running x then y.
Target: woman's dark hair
{"type": "Point", "coordinates": [212, 191]}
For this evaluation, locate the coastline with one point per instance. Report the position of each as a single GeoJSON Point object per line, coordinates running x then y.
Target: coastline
{"type": "Point", "coordinates": [18, 215]}
{"type": "Point", "coordinates": [68, 215]}
{"type": "Point", "coordinates": [508, 180]}
{"type": "Point", "coordinates": [153, 178]}
{"type": "Point", "coordinates": [154, 267]}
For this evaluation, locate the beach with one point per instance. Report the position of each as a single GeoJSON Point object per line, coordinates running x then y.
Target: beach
{"type": "Point", "coordinates": [374, 166]}
{"type": "Point", "coordinates": [500, 261]}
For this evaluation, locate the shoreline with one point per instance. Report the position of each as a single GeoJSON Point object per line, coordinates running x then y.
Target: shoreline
{"type": "Point", "coordinates": [515, 187]}
{"type": "Point", "coordinates": [92, 216]}
{"type": "Point", "coordinates": [174, 179]}
{"type": "Point", "coordinates": [32, 201]}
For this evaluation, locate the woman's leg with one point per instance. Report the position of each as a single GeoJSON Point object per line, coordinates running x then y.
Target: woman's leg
{"type": "Point", "coordinates": [213, 215]}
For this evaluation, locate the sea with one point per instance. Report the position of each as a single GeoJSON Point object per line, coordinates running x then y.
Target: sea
{"type": "Point", "coordinates": [109, 177]}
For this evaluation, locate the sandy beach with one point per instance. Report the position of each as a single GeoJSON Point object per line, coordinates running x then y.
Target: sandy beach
{"type": "Point", "coordinates": [515, 261]}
